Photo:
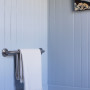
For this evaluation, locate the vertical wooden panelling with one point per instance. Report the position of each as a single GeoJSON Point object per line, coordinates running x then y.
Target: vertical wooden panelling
{"type": "Point", "coordinates": [8, 64]}
{"type": "Point", "coordinates": [19, 22]}
{"type": "Point", "coordinates": [13, 34]}
{"type": "Point", "coordinates": [77, 50]}
{"type": "Point", "coordinates": [51, 29]}
{"type": "Point", "coordinates": [1, 44]}
{"type": "Point", "coordinates": [43, 33]}
{"type": "Point", "coordinates": [59, 45]}
{"type": "Point", "coordinates": [14, 25]}
{"type": "Point", "coordinates": [56, 35]}
{"type": "Point", "coordinates": [67, 42]}
{"type": "Point", "coordinates": [23, 24]}
{"type": "Point", "coordinates": [28, 23]}
{"type": "Point", "coordinates": [69, 51]}
{"type": "Point", "coordinates": [35, 22]}
{"type": "Point", "coordinates": [88, 50]}
{"type": "Point", "coordinates": [84, 57]}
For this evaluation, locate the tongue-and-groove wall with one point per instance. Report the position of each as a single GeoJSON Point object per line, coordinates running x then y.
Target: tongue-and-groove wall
{"type": "Point", "coordinates": [23, 24]}
{"type": "Point", "coordinates": [69, 47]}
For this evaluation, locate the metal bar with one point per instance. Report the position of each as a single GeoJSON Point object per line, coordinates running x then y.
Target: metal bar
{"type": "Point", "coordinates": [5, 52]}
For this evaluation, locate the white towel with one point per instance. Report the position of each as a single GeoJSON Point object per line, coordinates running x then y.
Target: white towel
{"type": "Point", "coordinates": [30, 69]}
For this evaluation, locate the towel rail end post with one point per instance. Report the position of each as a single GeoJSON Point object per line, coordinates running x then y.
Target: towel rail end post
{"type": "Point", "coordinates": [4, 52]}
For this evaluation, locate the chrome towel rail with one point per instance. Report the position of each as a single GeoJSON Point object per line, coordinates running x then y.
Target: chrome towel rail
{"type": "Point", "coordinates": [5, 52]}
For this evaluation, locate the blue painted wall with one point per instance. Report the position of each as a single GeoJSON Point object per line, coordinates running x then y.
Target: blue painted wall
{"type": "Point", "coordinates": [23, 24]}
{"type": "Point", "coordinates": [69, 47]}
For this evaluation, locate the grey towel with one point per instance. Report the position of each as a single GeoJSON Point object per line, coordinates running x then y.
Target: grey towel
{"type": "Point", "coordinates": [19, 68]}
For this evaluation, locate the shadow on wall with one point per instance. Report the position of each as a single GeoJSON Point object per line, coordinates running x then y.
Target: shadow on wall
{"type": "Point", "coordinates": [18, 85]}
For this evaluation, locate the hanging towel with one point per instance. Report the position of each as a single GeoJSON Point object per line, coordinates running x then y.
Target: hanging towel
{"type": "Point", "coordinates": [17, 67]}
{"type": "Point", "coordinates": [30, 69]}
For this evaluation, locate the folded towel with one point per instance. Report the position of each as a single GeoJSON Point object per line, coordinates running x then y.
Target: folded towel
{"type": "Point", "coordinates": [30, 72]}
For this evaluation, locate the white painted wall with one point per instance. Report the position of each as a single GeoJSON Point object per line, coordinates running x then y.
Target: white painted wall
{"type": "Point", "coordinates": [23, 24]}
{"type": "Point", "coordinates": [69, 47]}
